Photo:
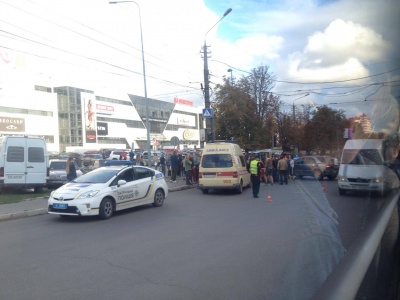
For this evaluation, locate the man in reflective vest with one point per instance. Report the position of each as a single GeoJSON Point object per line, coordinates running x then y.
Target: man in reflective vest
{"type": "Point", "coordinates": [255, 171]}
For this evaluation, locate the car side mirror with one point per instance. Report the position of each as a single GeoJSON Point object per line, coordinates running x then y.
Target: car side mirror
{"type": "Point", "coordinates": [121, 182]}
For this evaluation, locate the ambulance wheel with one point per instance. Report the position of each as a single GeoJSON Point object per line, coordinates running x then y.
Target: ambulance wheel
{"type": "Point", "coordinates": [240, 188]}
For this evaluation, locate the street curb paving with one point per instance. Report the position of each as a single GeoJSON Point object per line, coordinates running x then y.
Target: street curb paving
{"type": "Point", "coordinates": [27, 213]}
{"type": "Point", "coordinates": [43, 211]}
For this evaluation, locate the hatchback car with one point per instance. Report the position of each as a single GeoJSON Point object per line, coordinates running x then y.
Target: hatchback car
{"type": "Point", "coordinates": [58, 173]}
{"type": "Point", "coordinates": [108, 189]}
{"type": "Point", "coordinates": [315, 166]}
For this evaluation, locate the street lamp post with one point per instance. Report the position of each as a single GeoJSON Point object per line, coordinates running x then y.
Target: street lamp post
{"type": "Point", "coordinates": [294, 110]}
{"type": "Point", "coordinates": [230, 71]}
{"type": "Point", "coordinates": [144, 81]}
{"type": "Point", "coordinates": [209, 121]}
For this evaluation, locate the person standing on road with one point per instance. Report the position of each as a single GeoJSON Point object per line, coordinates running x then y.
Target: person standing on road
{"type": "Point", "coordinates": [174, 165]}
{"type": "Point", "coordinates": [283, 170]}
{"type": "Point", "coordinates": [187, 164]}
{"type": "Point", "coordinates": [196, 161]}
{"type": "Point", "coordinates": [269, 168]}
{"type": "Point", "coordinates": [275, 172]}
{"type": "Point", "coordinates": [255, 171]}
{"type": "Point", "coordinates": [162, 163]}
{"type": "Point", "coordinates": [155, 161]}
{"type": "Point", "coordinates": [70, 168]}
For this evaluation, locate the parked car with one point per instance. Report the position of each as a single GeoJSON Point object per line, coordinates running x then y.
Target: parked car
{"type": "Point", "coordinates": [89, 159]}
{"type": "Point", "coordinates": [316, 166]}
{"type": "Point", "coordinates": [58, 173]}
{"type": "Point", "coordinates": [145, 155]}
{"type": "Point", "coordinates": [115, 154]}
{"type": "Point", "coordinates": [108, 189]}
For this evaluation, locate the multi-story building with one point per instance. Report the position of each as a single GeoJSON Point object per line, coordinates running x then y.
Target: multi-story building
{"type": "Point", "coordinates": [74, 117]}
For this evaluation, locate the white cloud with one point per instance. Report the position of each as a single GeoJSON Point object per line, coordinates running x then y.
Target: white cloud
{"type": "Point", "coordinates": [342, 46]}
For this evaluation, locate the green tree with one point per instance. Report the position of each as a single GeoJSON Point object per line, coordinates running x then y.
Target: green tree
{"type": "Point", "coordinates": [325, 130]}
{"type": "Point", "coordinates": [246, 110]}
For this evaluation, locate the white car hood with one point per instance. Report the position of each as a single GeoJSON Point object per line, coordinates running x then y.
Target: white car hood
{"type": "Point", "coordinates": [72, 189]}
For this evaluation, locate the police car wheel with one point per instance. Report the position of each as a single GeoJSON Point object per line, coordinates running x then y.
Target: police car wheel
{"type": "Point", "coordinates": [106, 209]}
{"type": "Point", "coordinates": [158, 198]}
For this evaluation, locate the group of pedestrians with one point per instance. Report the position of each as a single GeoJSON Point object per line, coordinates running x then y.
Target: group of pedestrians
{"type": "Point", "coordinates": [272, 169]}
{"type": "Point", "coordinates": [186, 165]}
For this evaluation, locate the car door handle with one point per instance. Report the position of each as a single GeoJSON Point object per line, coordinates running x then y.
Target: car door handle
{"type": "Point", "coordinates": [30, 167]}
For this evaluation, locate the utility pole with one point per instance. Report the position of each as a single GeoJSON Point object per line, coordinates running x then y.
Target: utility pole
{"type": "Point", "coordinates": [209, 121]}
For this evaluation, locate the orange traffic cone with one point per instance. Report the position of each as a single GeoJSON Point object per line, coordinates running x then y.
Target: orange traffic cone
{"type": "Point", "coordinates": [269, 199]}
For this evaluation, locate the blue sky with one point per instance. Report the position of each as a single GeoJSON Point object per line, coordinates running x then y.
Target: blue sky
{"type": "Point", "coordinates": [322, 45]}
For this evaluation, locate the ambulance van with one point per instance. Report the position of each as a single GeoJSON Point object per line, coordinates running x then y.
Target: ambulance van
{"type": "Point", "coordinates": [24, 162]}
{"type": "Point", "coordinates": [222, 167]}
{"type": "Point", "coordinates": [366, 165]}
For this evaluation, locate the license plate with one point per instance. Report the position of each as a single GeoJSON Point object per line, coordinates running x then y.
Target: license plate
{"type": "Point", "coordinates": [60, 206]}
{"type": "Point", "coordinates": [227, 181]}
{"type": "Point", "coordinates": [209, 176]}
{"type": "Point", "coordinates": [358, 187]}
{"type": "Point", "coordinates": [14, 176]}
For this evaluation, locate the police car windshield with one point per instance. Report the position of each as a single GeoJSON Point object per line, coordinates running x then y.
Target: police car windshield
{"type": "Point", "coordinates": [97, 176]}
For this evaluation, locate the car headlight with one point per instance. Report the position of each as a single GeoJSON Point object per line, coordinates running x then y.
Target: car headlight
{"type": "Point", "coordinates": [377, 180]}
{"type": "Point", "coordinates": [88, 194]}
{"type": "Point", "coordinates": [342, 178]}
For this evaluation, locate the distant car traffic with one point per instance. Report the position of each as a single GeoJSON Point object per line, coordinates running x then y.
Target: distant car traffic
{"type": "Point", "coordinates": [108, 189]}
{"type": "Point", "coordinates": [316, 166]}
{"type": "Point", "coordinates": [58, 173]}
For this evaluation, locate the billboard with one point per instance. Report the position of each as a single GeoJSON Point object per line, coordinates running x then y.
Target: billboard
{"type": "Point", "coordinates": [12, 124]}
{"type": "Point", "coordinates": [89, 117]}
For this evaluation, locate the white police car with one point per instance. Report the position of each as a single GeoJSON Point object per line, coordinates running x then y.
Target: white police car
{"type": "Point", "coordinates": [108, 189]}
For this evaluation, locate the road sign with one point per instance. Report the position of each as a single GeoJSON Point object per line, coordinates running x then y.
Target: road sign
{"type": "Point", "coordinates": [207, 113]}
{"type": "Point", "coordinates": [174, 141]}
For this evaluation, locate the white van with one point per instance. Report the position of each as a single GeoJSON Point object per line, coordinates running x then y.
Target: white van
{"type": "Point", "coordinates": [223, 166]}
{"type": "Point", "coordinates": [24, 162]}
{"type": "Point", "coordinates": [364, 167]}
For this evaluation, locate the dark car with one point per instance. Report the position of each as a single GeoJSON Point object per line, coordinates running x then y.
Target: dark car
{"type": "Point", "coordinates": [317, 166]}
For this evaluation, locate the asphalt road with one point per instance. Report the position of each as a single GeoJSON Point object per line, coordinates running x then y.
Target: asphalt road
{"type": "Point", "coordinates": [194, 247]}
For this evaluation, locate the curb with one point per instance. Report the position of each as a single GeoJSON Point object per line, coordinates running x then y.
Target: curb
{"type": "Point", "coordinates": [43, 211]}
{"type": "Point", "coordinates": [27, 213]}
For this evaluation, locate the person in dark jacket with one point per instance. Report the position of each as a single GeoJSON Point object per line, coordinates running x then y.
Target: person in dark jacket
{"type": "Point", "coordinates": [71, 169]}
{"type": "Point", "coordinates": [175, 165]}
{"type": "Point", "coordinates": [255, 171]}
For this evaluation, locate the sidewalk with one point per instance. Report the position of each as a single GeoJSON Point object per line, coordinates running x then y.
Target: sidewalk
{"type": "Point", "coordinates": [38, 206]}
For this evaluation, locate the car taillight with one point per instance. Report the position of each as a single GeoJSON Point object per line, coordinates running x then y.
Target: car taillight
{"type": "Point", "coordinates": [235, 175]}
{"type": "Point", "coordinates": [328, 166]}
{"type": "Point", "coordinates": [2, 172]}
{"type": "Point", "coordinates": [200, 175]}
